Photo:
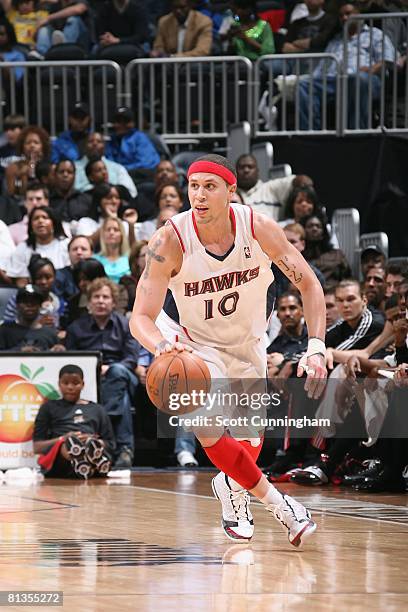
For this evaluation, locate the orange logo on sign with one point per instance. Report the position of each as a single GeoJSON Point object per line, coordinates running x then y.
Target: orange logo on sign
{"type": "Point", "coordinates": [20, 399]}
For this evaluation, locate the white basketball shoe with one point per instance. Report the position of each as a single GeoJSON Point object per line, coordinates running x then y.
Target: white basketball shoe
{"type": "Point", "coordinates": [237, 520]}
{"type": "Point", "coordinates": [295, 519]}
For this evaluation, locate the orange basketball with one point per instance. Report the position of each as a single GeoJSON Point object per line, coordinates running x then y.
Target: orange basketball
{"type": "Point", "coordinates": [179, 375]}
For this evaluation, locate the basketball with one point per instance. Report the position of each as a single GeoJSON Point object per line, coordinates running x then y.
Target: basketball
{"type": "Point", "coordinates": [174, 374]}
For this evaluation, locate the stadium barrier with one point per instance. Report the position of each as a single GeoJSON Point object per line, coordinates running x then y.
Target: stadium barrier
{"type": "Point", "coordinates": [199, 98]}
{"type": "Point", "coordinates": [47, 91]}
{"type": "Point", "coordinates": [190, 97]}
{"type": "Point", "coordinates": [383, 96]}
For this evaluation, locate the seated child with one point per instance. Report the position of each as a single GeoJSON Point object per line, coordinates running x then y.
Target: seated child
{"type": "Point", "coordinates": [73, 436]}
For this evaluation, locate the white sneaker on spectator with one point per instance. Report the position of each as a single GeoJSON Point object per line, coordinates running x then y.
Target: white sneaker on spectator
{"type": "Point", "coordinates": [294, 518]}
{"type": "Point", "coordinates": [57, 37]}
{"type": "Point", "coordinates": [237, 520]}
{"type": "Point", "coordinates": [186, 459]}
{"type": "Point", "coordinates": [35, 55]}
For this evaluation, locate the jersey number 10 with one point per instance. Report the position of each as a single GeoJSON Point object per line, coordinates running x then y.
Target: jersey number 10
{"type": "Point", "coordinates": [226, 306]}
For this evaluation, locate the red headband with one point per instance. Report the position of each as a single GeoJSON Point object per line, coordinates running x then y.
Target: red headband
{"type": "Point", "coordinates": [212, 168]}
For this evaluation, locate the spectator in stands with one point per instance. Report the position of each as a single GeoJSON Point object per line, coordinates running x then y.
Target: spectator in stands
{"type": "Point", "coordinates": [106, 203]}
{"type": "Point", "coordinates": [137, 263]}
{"type": "Point", "coordinates": [301, 202]}
{"type": "Point", "coordinates": [117, 174]}
{"type": "Point", "coordinates": [45, 237]}
{"type": "Point", "coordinates": [183, 33]}
{"type": "Point", "coordinates": [25, 333]}
{"type": "Point", "coordinates": [291, 343]}
{"type": "Point", "coordinates": [372, 256]}
{"type": "Point", "coordinates": [106, 331]}
{"type": "Point", "coordinates": [123, 21]}
{"type": "Point", "coordinates": [71, 144]}
{"type": "Point", "coordinates": [9, 53]}
{"type": "Point", "coordinates": [168, 195]}
{"type": "Point", "coordinates": [332, 312]}
{"type": "Point", "coordinates": [36, 195]}
{"type": "Point", "coordinates": [26, 17]}
{"type": "Point", "coordinates": [249, 36]}
{"type": "Point", "coordinates": [69, 24]}
{"type": "Point", "coordinates": [42, 275]}
{"type": "Point", "coordinates": [114, 249]}
{"type": "Point", "coordinates": [267, 197]}
{"type": "Point", "coordinates": [73, 436]}
{"type": "Point", "coordinates": [320, 252]}
{"type": "Point", "coordinates": [394, 275]}
{"type": "Point", "coordinates": [165, 173]}
{"type": "Point", "coordinates": [68, 203]}
{"type": "Point", "coordinates": [13, 125]}
{"type": "Point", "coordinates": [84, 272]}
{"type": "Point", "coordinates": [80, 248]}
{"type": "Point", "coordinates": [310, 34]}
{"type": "Point", "coordinates": [33, 146]}
{"type": "Point", "coordinates": [374, 287]}
{"type": "Point", "coordinates": [44, 173]}
{"type": "Point", "coordinates": [367, 51]}
{"type": "Point", "coordinates": [130, 147]}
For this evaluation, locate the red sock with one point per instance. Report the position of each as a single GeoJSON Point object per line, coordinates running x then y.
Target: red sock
{"type": "Point", "coordinates": [254, 451]}
{"type": "Point", "coordinates": [232, 458]}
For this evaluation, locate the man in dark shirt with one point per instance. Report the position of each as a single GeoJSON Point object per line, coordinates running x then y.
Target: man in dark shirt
{"type": "Point", "coordinates": [26, 334]}
{"type": "Point", "coordinates": [375, 286]}
{"type": "Point", "coordinates": [73, 435]}
{"type": "Point", "coordinates": [122, 21]}
{"type": "Point", "coordinates": [312, 33]}
{"type": "Point", "coordinates": [68, 203]}
{"type": "Point", "coordinates": [291, 343]}
{"type": "Point", "coordinates": [358, 326]}
{"type": "Point", "coordinates": [13, 124]}
{"type": "Point", "coordinates": [107, 331]}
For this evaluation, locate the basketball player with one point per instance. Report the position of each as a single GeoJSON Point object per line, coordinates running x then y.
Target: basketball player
{"type": "Point", "coordinates": [216, 261]}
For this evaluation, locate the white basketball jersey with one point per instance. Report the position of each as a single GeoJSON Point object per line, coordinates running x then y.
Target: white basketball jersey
{"type": "Point", "coordinates": [222, 303]}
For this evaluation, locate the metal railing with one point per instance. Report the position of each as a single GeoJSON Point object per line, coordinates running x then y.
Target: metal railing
{"type": "Point", "coordinates": [285, 87]}
{"type": "Point", "coordinates": [190, 97]}
{"type": "Point", "coordinates": [47, 90]}
{"type": "Point", "coordinates": [200, 98]}
{"type": "Point", "coordinates": [377, 98]}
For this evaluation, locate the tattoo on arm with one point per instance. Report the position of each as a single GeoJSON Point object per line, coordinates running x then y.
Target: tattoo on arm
{"type": "Point", "coordinates": [290, 270]}
{"type": "Point", "coordinates": [151, 254]}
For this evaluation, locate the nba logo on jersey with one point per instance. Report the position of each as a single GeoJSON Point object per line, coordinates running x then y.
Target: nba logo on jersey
{"type": "Point", "coordinates": [247, 252]}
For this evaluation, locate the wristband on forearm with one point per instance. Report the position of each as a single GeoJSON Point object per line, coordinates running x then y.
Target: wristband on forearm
{"type": "Point", "coordinates": [316, 346]}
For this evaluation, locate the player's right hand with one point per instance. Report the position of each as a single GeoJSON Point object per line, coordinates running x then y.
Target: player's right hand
{"type": "Point", "coordinates": [353, 366]}
{"type": "Point", "coordinates": [166, 347]}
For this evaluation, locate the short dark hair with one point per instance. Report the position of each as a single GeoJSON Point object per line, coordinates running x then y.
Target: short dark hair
{"type": "Point", "coordinates": [290, 294]}
{"type": "Point", "coordinates": [396, 268]}
{"type": "Point", "coordinates": [13, 121]}
{"type": "Point", "coordinates": [87, 238]}
{"type": "Point", "coordinates": [70, 368]}
{"type": "Point", "coordinates": [89, 269]}
{"type": "Point", "coordinates": [347, 282]}
{"type": "Point", "coordinates": [37, 186]}
{"type": "Point", "coordinates": [220, 160]}
{"type": "Point", "coordinates": [93, 160]}
{"type": "Point", "coordinates": [244, 155]}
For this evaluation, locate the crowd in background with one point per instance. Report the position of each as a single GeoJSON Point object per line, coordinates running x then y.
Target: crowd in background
{"type": "Point", "coordinates": [76, 215]}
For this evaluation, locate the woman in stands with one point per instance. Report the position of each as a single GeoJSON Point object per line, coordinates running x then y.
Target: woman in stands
{"type": "Point", "coordinates": [33, 146]}
{"type": "Point", "coordinates": [320, 251]}
{"type": "Point", "coordinates": [108, 202]}
{"type": "Point", "coordinates": [114, 249]}
{"type": "Point", "coordinates": [302, 201]}
{"type": "Point", "coordinates": [249, 35]}
{"type": "Point", "coordinates": [45, 237]}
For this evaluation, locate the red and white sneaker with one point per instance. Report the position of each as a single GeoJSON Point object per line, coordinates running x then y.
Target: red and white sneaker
{"type": "Point", "coordinates": [295, 519]}
{"type": "Point", "coordinates": [237, 520]}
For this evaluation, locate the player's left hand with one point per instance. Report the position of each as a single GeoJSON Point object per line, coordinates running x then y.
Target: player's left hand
{"type": "Point", "coordinates": [315, 368]}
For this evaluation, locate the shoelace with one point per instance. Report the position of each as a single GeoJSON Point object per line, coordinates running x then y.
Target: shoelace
{"type": "Point", "coordinates": [240, 501]}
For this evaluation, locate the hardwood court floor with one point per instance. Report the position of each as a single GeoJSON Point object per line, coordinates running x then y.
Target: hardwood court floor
{"type": "Point", "coordinates": [154, 543]}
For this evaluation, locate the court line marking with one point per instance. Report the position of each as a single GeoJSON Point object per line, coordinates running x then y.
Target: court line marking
{"type": "Point", "coordinates": [329, 511]}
